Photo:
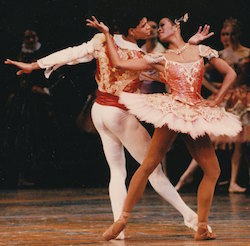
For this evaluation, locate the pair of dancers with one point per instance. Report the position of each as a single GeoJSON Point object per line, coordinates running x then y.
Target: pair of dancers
{"type": "Point", "coordinates": [115, 125]}
{"type": "Point", "coordinates": [182, 111]}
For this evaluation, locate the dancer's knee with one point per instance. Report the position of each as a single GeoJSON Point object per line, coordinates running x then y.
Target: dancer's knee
{"type": "Point", "coordinates": [213, 174]}
{"type": "Point", "coordinates": [118, 174]}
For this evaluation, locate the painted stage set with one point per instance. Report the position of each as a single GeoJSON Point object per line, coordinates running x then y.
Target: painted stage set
{"type": "Point", "coordinates": [80, 216]}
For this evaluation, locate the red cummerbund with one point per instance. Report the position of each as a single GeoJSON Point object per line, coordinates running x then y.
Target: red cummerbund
{"type": "Point", "coordinates": [108, 99]}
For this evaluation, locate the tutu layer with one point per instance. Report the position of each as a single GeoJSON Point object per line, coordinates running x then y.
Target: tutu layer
{"type": "Point", "coordinates": [195, 120]}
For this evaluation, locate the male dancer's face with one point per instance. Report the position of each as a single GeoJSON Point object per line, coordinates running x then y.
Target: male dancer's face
{"type": "Point", "coordinates": [142, 30]}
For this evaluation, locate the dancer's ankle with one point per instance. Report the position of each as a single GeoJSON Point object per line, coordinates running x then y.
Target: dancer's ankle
{"type": "Point", "coordinates": [125, 216]}
{"type": "Point", "coordinates": [202, 224]}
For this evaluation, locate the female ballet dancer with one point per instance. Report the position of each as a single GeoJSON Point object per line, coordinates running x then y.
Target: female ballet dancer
{"type": "Point", "coordinates": [181, 111]}
{"type": "Point", "coordinates": [116, 126]}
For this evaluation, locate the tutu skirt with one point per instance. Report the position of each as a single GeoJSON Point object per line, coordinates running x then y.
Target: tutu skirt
{"type": "Point", "coordinates": [181, 116]}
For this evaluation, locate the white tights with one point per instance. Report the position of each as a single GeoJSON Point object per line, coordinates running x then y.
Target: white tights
{"type": "Point", "coordinates": [119, 129]}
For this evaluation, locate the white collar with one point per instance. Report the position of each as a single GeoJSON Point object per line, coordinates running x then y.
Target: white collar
{"type": "Point", "coordinates": [27, 50]}
{"type": "Point", "coordinates": [124, 44]}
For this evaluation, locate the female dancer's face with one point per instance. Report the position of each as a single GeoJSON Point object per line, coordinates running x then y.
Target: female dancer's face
{"type": "Point", "coordinates": [166, 29]}
{"type": "Point", "coordinates": [142, 30]}
{"type": "Point", "coordinates": [225, 35]}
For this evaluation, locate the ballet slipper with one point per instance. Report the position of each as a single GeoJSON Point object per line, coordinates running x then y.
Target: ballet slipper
{"type": "Point", "coordinates": [121, 236]}
{"type": "Point", "coordinates": [203, 233]}
{"type": "Point", "coordinates": [235, 188]}
{"type": "Point", "coordinates": [191, 222]}
{"type": "Point", "coordinates": [114, 230]}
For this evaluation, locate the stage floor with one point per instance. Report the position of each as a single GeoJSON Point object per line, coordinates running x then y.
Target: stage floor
{"type": "Point", "coordinates": [79, 217]}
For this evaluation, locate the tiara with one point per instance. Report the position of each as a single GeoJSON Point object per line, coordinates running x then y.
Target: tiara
{"type": "Point", "coordinates": [183, 18]}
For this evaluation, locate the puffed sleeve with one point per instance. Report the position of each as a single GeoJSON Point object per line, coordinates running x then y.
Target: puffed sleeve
{"type": "Point", "coordinates": [154, 58]}
{"type": "Point", "coordinates": [207, 52]}
{"type": "Point", "coordinates": [72, 55]}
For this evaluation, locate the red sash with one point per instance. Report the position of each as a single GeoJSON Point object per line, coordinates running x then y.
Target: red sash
{"type": "Point", "coordinates": [108, 99]}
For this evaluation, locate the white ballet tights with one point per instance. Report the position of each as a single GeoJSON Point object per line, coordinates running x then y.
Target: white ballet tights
{"type": "Point", "coordinates": [118, 128]}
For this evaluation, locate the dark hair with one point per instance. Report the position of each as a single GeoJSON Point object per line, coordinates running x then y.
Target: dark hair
{"type": "Point", "coordinates": [125, 22]}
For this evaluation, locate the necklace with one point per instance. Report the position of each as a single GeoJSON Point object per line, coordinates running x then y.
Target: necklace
{"type": "Point", "coordinates": [179, 51]}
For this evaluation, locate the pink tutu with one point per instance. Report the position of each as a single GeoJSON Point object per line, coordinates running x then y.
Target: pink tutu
{"type": "Point", "coordinates": [195, 120]}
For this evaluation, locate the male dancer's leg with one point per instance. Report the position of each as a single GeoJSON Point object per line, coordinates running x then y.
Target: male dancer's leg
{"type": "Point", "coordinates": [114, 153]}
{"type": "Point", "coordinates": [115, 156]}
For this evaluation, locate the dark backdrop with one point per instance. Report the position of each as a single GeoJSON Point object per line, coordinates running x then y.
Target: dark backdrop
{"type": "Point", "coordinates": [61, 23]}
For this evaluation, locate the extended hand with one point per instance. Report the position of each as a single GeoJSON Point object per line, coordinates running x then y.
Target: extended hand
{"type": "Point", "coordinates": [98, 25]}
{"type": "Point", "coordinates": [25, 67]}
{"type": "Point", "coordinates": [201, 35]}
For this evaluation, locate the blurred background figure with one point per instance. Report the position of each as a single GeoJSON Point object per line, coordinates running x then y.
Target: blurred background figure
{"type": "Point", "coordinates": [24, 114]}
{"type": "Point", "coordinates": [237, 101]}
{"type": "Point", "coordinates": [30, 46]}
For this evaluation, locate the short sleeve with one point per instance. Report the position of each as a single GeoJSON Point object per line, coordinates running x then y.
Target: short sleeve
{"type": "Point", "coordinates": [154, 58]}
{"type": "Point", "coordinates": [207, 52]}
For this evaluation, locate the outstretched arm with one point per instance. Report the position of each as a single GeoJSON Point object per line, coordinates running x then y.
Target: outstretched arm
{"type": "Point", "coordinates": [70, 56]}
{"type": "Point", "coordinates": [229, 77]}
{"type": "Point", "coordinates": [201, 35]}
{"type": "Point", "coordinates": [132, 64]}
{"type": "Point", "coordinates": [24, 67]}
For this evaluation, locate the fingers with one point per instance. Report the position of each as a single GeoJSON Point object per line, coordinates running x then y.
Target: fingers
{"type": "Point", "coordinates": [200, 28]}
{"type": "Point", "coordinates": [8, 61]}
{"type": "Point", "coordinates": [95, 20]}
{"type": "Point", "coordinates": [210, 34]}
{"type": "Point", "coordinates": [20, 72]}
{"type": "Point", "coordinates": [205, 30]}
{"type": "Point", "coordinates": [93, 23]}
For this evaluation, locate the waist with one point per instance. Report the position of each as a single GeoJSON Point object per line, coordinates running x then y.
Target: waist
{"type": "Point", "coordinates": [108, 99]}
{"type": "Point", "coordinates": [188, 98]}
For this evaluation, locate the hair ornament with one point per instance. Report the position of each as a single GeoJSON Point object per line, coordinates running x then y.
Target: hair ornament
{"type": "Point", "coordinates": [183, 18]}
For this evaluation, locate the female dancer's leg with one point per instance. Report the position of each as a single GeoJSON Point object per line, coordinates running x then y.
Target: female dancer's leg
{"type": "Point", "coordinates": [203, 152]}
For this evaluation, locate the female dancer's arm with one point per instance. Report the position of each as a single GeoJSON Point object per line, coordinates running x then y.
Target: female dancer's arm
{"type": "Point", "coordinates": [139, 64]}
{"type": "Point", "coordinates": [229, 77]}
{"type": "Point", "coordinates": [209, 86]}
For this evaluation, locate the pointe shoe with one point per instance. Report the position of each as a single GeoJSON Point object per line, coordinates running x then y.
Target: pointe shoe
{"type": "Point", "coordinates": [192, 222]}
{"type": "Point", "coordinates": [235, 188]}
{"type": "Point", "coordinates": [203, 233]}
{"type": "Point", "coordinates": [114, 230]}
{"type": "Point", "coordinates": [121, 236]}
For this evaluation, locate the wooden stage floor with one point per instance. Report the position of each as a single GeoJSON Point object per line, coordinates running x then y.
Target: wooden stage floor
{"type": "Point", "coordinates": [79, 217]}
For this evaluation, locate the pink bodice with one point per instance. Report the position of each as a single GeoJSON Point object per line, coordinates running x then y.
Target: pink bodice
{"type": "Point", "coordinates": [184, 80]}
